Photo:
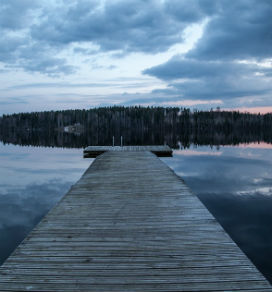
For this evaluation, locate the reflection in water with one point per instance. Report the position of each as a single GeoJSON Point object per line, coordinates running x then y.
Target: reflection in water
{"type": "Point", "coordinates": [22, 208]}
{"type": "Point", "coordinates": [173, 139]}
{"type": "Point", "coordinates": [32, 181]}
{"type": "Point", "coordinates": [136, 126]}
{"type": "Point", "coordinates": [235, 184]}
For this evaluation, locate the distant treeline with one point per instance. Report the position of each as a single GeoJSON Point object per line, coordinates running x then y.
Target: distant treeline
{"type": "Point", "coordinates": [137, 125]}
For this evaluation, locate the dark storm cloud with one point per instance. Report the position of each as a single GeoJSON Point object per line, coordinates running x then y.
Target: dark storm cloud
{"type": "Point", "coordinates": [179, 67]}
{"type": "Point", "coordinates": [241, 30]}
{"type": "Point", "coordinates": [137, 26]}
{"type": "Point", "coordinates": [34, 33]}
{"type": "Point", "coordinates": [199, 79]}
{"type": "Point", "coordinates": [195, 11]}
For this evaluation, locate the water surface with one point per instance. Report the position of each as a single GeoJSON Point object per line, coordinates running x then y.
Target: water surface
{"type": "Point", "coordinates": [32, 181]}
{"type": "Point", "coordinates": [235, 184]}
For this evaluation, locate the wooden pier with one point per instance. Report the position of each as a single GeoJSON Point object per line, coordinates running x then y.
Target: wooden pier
{"type": "Point", "coordinates": [129, 224]}
{"type": "Point", "coordinates": [159, 150]}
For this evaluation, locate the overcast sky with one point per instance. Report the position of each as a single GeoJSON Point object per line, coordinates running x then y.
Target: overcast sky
{"type": "Point", "coordinates": [60, 54]}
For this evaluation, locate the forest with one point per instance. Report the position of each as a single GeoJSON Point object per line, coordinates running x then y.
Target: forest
{"type": "Point", "coordinates": [177, 127]}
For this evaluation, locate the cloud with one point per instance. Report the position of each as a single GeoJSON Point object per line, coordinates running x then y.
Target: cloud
{"type": "Point", "coordinates": [22, 52]}
{"type": "Point", "coordinates": [112, 84]}
{"type": "Point", "coordinates": [22, 208]}
{"type": "Point", "coordinates": [12, 101]}
{"type": "Point", "coordinates": [18, 49]}
{"type": "Point", "coordinates": [142, 26]}
{"type": "Point", "coordinates": [41, 61]}
{"type": "Point", "coordinates": [201, 79]}
{"type": "Point", "coordinates": [16, 14]}
{"type": "Point", "coordinates": [213, 69]}
{"type": "Point", "coordinates": [194, 12]}
{"type": "Point", "coordinates": [240, 30]}
{"type": "Point", "coordinates": [34, 34]}
{"type": "Point", "coordinates": [179, 67]}
{"type": "Point", "coordinates": [54, 38]}
{"type": "Point", "coordinates": [9, 46]}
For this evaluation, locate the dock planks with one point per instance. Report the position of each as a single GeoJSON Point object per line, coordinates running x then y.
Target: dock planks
{"type": "Point", "coordinates": [159, 150]}
{"type": "Point", "coordinates": [129, 224]}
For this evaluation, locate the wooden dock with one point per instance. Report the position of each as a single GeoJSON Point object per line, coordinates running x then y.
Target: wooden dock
{"type": "Point", "coordinates": [129, 224]}
{"type": "Point", "coordinates": [159, 150]}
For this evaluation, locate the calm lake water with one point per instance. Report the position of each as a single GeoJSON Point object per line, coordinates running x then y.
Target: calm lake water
{"type": "Point", "coordinates": [235, 183]}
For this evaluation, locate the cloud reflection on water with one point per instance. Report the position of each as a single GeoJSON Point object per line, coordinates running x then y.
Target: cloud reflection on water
{"type": "Point", "coordinates": [22, 208]}
{"type": "Point", "coordinates": [236, 186]}
{"type": "Point", "coordinates": [234, 183]}
{"type": "Point", "coordinates": [32, 181]}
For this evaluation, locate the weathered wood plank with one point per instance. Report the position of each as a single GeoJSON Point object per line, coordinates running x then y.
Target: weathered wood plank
{"type": "Point", "coordinates": [159, 150]}
{"type": "Point", "coordinates": [129, 224]}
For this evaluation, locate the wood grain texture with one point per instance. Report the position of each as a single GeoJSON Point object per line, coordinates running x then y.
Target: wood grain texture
{"type": "Point", "coordinates": [159, 150]}
{"type": "Point", "coordinates": [129, 224]}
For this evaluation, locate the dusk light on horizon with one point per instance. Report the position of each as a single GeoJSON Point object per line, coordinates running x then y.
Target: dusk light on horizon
{"type": "Point", "coordinates": [135, 145]}
{"type": "Point", "coordinates": [80, 54]}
